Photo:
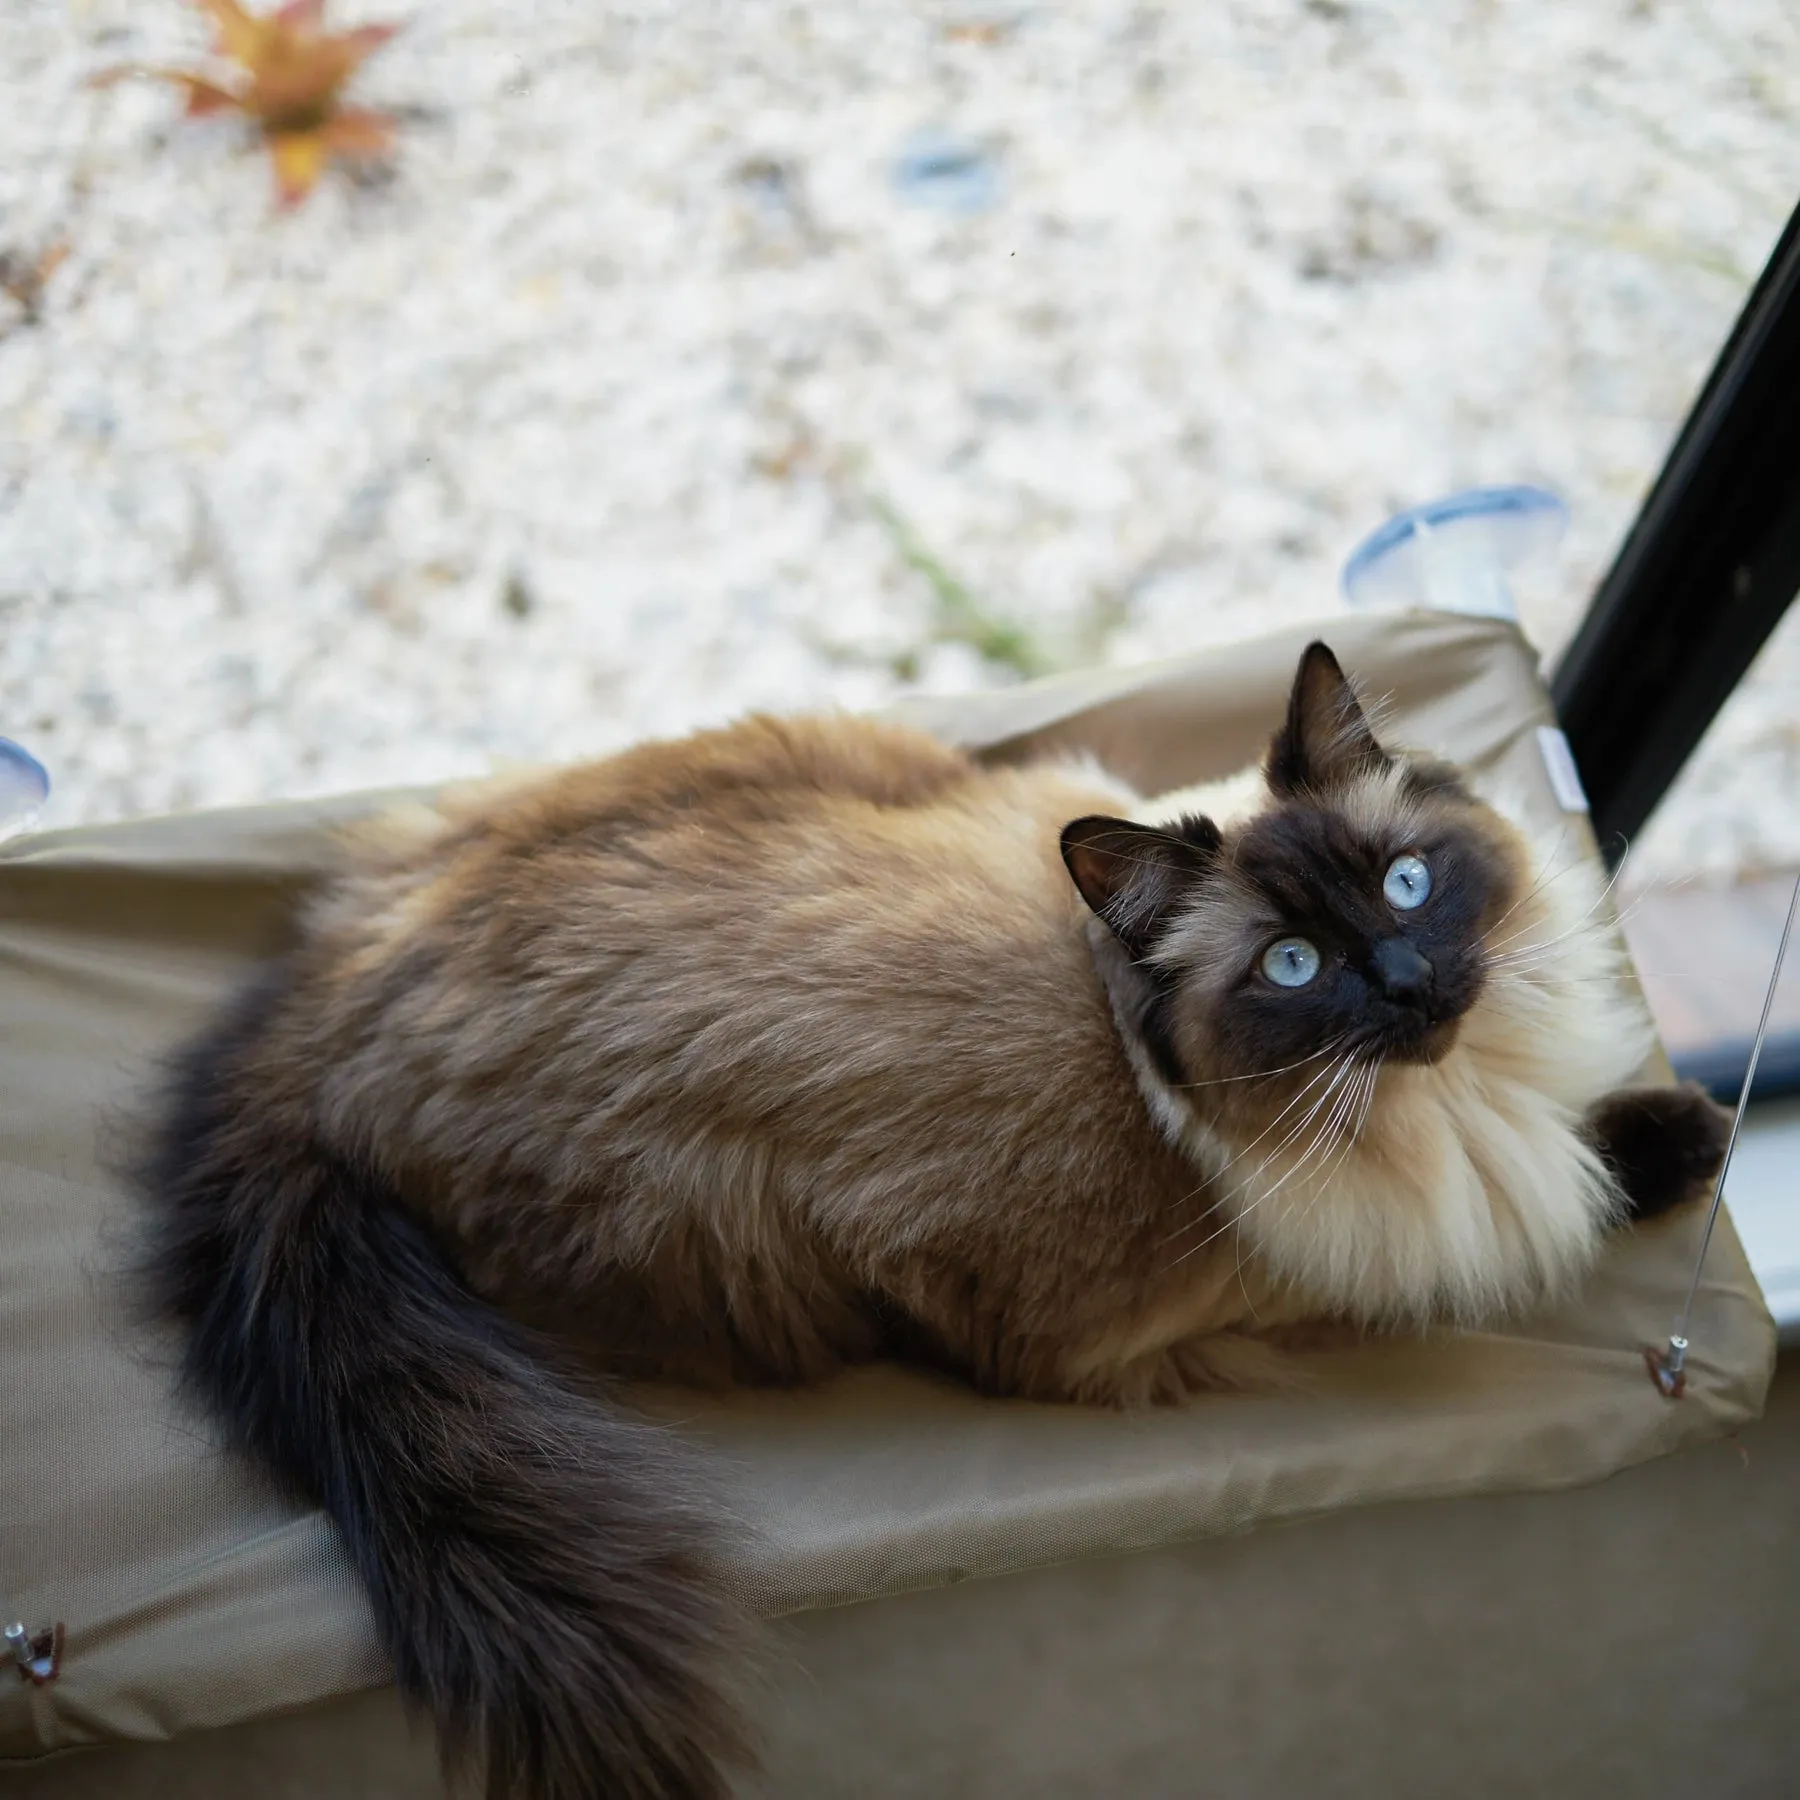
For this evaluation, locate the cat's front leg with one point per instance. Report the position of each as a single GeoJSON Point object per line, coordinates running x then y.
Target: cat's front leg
{"type": "Point", "coordinates": [1664, 1145]}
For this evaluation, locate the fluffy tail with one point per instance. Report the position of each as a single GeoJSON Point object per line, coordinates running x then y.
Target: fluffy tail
{"type": "Point", "coordinates": [538, 1565]}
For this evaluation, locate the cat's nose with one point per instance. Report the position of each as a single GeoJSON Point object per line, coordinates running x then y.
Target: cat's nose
{"type": "Point", "coordinates": [1403, 973]}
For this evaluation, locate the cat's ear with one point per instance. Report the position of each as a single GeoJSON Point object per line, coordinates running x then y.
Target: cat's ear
{"type": "Point", "coordinates": [1326, 739]}
{"type": "Point", "coordinates": [1132, 875]}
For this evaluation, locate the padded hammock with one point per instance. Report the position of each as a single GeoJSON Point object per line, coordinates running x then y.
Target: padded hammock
{"type": "Point", "coordinates": [191, 1597]}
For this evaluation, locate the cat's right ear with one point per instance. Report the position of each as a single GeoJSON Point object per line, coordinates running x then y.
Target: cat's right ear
{"type": "Point", "coordinates": [1132, 875]}
{"type": "Point", "coordinates": [1327, 739]}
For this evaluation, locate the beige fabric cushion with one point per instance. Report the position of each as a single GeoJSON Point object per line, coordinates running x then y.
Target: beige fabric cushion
{"type": "Point", "coordinates": [193, 1597]}
{"type": "Point", "coordinates": [1634, 1640]}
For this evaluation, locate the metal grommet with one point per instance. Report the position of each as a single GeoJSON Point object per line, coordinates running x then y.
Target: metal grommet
{"type": "Point", "coordinates": [37, 1655]}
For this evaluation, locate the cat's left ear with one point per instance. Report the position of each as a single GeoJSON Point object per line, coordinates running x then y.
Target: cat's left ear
{"type": "Point", "coordinates": [1133, 875]}
{"type": "Point", "coordinates": [1327, 739]}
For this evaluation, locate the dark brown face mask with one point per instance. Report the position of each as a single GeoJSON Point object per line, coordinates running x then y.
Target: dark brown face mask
{"type": "Point", "coordinates": [1349, 915]}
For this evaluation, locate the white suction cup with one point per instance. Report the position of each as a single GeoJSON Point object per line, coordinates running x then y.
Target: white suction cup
{"type": "Point", "coordinates": [1454, 554]}
{"type": "Point", "coordinates": [24, 787]}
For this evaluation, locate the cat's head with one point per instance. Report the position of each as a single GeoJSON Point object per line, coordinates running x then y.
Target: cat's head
{"type": "Point", "coordinates": [1347, 914]}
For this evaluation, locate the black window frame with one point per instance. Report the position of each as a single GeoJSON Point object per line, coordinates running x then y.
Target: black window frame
{"type": "Point", "coordinates": [1701, 581]}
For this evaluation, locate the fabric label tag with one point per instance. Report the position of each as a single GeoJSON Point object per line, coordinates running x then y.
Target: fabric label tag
{"type": "Point", "coordinates": [1559, 765]}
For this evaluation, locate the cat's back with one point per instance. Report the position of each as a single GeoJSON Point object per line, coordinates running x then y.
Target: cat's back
{"type": "Point", "coordinates": [829, 918]}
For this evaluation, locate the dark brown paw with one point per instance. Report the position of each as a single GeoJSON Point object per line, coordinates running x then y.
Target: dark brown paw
{"type": "Point", "coordinates": [1664, 1144]}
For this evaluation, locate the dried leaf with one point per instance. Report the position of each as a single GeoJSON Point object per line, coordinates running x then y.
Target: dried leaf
{"type": "Point", "coordinates": [204, 96]}
{"type": "Point", "coordinates": [24, 276]}
{"type": "Point", "coordinates": [357, 132]}
{"type": "Point", "coordinates": [241, 36]}
{"type": "Point", "coordinates": [289, 72]}
{"type": "Point", "coordinates": [299, 158]}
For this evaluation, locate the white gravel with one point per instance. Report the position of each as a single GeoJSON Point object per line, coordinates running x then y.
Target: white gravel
{"type": "Point", "coordinates": [585, 423]}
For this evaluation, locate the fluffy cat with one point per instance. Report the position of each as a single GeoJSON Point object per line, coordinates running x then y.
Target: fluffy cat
{"type": "Point", "coordinates": [805, 1042]}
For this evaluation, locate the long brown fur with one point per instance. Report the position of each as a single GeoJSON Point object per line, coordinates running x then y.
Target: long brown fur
{"type": "Point", "coordinates": [781, 1047]}
{"type": "Point", "coordinates": [728, 1050]}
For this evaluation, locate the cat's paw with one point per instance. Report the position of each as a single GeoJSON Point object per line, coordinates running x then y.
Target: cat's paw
{"type": "Point", "coordinates": [1664, 1144]}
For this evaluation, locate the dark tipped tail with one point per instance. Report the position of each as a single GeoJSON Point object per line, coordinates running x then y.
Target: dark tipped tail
{"type": "Point", "coordinates": [539, 1566]}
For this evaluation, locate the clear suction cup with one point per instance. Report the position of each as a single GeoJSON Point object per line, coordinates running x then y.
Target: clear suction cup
{"type": "Point", "coordinates": [1454, 554]}
{"type": "Point", "coordinates": [24, 787]}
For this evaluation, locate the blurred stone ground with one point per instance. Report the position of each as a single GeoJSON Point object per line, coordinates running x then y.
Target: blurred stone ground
{"type": "Point", "coordinates": [656, 382]}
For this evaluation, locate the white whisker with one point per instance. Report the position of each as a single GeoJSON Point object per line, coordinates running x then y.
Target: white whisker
{"type": "Point", "coordinates": [1340, 1070]}
{"type": "Point", "coordinates": [1495, 948]}
{"type": "Point", "coordinates": [1311, 1083]}
{"type": "Point", "coordinates": [1257, 1074]}
{"type": "Point", "coordinates": [1546, 875]}
{"type": "Point", "coordinates": [1323, 1181]}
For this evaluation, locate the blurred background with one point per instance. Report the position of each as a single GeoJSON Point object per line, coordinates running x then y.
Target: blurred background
{"type": "Point", "coordinates": [690, 357]}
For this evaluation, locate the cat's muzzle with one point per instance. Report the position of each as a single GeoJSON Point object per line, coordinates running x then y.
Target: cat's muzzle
{"type": "Point", "coordinates": [1415, 1019]}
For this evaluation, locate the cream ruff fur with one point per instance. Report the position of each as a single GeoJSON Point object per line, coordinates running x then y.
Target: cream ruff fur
{"type": "Point", "coordinates": [1467, 1188]}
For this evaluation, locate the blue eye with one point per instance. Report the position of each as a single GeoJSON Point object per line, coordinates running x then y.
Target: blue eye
{"type": "Point", "coordinates": [1407, 883]}
{"type": "Point", "coordinates": [1291, 963]}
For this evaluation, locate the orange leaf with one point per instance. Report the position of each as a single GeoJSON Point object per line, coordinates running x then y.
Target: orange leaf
{"type": "Point", "coordinates": [357, 132]}
{"type": "Point", "coordinates": [297, 93]}
{"type": "Point", "coordinates": [299, 158]}
{"type": "Point", "coordinates": [205, 96]}
{"type": "Point", "coordinates": [241, 35]}
{"type": "Point", "coordinates": [365, 40]}
{"type": "Point", "coordinates": [292, 72]}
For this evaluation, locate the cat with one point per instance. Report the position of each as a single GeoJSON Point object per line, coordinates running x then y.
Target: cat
{"type": "Point", "coordinates": [804, 1042]}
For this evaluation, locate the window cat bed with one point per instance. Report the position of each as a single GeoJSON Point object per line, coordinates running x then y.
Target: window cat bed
{"type": "Point", "coordinates": [191, 1598]}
